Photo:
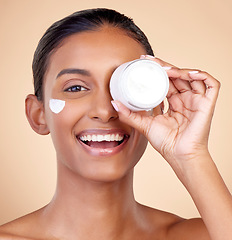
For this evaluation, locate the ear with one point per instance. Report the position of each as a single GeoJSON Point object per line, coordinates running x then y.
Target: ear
{"type": "Point", "coordinates": [35, 114]}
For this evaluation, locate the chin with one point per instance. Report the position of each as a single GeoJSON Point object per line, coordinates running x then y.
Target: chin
{"type": "Point", "coordinates": [104, 161]}
{"type": "Point", "coordinates": [109, 176]}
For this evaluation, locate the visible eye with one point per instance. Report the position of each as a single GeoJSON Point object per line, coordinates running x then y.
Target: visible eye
{"type": "Point", "coordinates": [75, 88]}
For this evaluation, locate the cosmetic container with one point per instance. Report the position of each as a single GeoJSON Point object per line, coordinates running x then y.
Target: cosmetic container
{"type": "Point", "coordinates": [140, 85]}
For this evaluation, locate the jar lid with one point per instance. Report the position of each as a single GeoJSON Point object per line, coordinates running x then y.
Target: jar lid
{"type": "Point", "coordinates": [145, 84]}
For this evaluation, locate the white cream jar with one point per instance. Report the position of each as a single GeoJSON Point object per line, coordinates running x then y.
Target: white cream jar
{"type": "Point", "coordinates": [140, 85]}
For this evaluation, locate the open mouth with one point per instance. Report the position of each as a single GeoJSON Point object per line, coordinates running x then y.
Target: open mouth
{"type": "Point", "coordinates": [103, 141]}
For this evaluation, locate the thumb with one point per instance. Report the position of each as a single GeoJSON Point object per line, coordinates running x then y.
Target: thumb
{"type": "Point", "coordinates": [136, 120]}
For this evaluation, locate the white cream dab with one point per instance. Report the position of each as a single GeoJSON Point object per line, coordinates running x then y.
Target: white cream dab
{"type": "Point", "coordinates": [56, 105]}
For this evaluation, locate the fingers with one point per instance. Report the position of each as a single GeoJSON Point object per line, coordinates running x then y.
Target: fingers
{"type": "Point", "coordinates": [183, 80]}
{"type": "Point", "coordinates": [189, 81]}
{"type": "Point", "coordinates": [158, 60]}
{"type": "Point", "coordinates": [198, 87]}
{"type": "Point", "coordinates": [212, 85]}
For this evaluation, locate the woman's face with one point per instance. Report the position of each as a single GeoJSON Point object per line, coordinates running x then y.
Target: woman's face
{"type": "Point", "coordinates": [79, 73]}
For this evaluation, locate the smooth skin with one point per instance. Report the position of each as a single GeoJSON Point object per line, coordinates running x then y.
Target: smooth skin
{"type": "Point", "coordinates": [94, 197]}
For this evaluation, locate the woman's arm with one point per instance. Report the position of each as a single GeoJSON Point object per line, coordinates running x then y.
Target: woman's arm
{"type": "Point", "coordinates": [181, 136]}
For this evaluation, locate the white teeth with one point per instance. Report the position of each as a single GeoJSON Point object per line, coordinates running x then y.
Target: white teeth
{"type": "Point", "coordinates": [100, 138]}
{"type": "Point", "coordinates": [112, 137]}
{"type": "Point", "coordinates": [94, 138]}
{"type": "Point", "coordinates": [107, 138]}
{"type": "Point", "coordinates": [88, 138]}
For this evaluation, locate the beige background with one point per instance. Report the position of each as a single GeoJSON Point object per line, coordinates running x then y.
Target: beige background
{"type": "Point", "coordinates": [194, 33]}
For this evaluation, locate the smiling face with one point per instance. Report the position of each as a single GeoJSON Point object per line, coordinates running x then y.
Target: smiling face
{"type": "Point", "coordinates": [88, 136]}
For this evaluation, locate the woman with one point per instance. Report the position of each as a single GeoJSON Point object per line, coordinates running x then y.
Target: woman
{"type": "Point", "coordinates": [99, 143]}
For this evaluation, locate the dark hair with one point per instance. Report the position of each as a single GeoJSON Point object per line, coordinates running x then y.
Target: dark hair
{"type": "Point", "coordinates": [86, 20]}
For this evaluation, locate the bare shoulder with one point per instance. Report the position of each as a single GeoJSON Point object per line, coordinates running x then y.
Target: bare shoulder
{"type": "Point", "coordinates": [190, 229]}
{"type": "Point", "coordinates": [23, 228]}
{"type": "Point", "coordinates": [14, 230]}
{"type": "Point", "coordinates": [172, 227]}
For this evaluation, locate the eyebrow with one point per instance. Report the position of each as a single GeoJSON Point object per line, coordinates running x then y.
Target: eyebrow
{"type": "Point", "coordinates": [73, 71]}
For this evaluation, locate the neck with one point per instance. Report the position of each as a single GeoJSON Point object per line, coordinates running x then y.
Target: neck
{"type": "Point", "coordinates": [83, 205]}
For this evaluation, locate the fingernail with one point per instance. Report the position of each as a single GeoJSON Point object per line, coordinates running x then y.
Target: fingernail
{"type": "Point", "coordinates": [147, 56]}
{"type": "Point", "coordinates": [150, 56]}
{"type": "Point", "coordinates": [193, 72]}
{"type": "Point", "coordinates": [115, 106]}
{"type": "Point", "coordinates": [166, 68]}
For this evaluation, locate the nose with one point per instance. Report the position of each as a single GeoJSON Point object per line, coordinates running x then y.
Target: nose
{"type": "Point", "coordinates": [101, 108]}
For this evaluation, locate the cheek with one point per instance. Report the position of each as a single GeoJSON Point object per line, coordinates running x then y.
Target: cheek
{"type": "Point", "coordinates": [64, 112]}
{"type": "Point", "coordinates": [62, 117]}
{"type": "Point", "coordinates": [56, 105]}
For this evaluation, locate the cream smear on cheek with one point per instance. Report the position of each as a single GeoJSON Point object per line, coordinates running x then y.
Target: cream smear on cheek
{"type": "Point", "coordinates": [56, 105]}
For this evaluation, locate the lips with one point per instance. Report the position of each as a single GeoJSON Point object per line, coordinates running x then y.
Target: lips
{"type": "Point", "coordinates": [103, 141]}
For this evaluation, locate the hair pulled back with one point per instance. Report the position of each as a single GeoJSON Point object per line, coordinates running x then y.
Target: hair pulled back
{"type": "Point", "coordinates": [86, 20]}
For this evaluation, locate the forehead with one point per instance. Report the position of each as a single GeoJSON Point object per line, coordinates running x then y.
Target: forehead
{"type": "Point", "coordinates": [107, 43]}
